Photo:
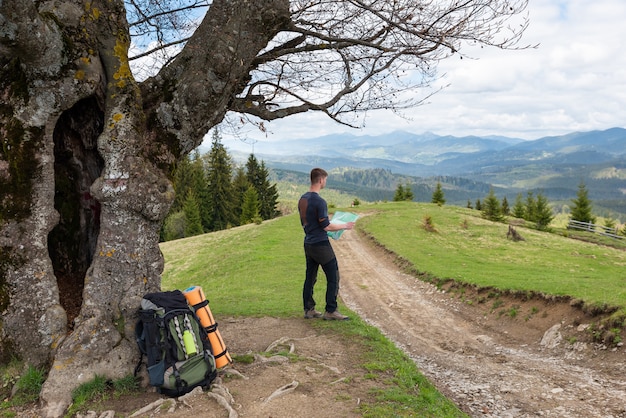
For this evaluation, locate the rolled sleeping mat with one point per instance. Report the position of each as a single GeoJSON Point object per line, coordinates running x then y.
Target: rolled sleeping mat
{"type": "Point", "coordinates": [195, 297]}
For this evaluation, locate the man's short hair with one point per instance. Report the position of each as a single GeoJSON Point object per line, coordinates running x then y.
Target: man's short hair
{"type": "Point", "coordinates": [317, 174]}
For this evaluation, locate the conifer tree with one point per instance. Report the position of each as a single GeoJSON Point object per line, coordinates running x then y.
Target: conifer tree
{"type": "Point", "coordinates": [519, 210]}
{"type": "Point", "coordinates": [268, 194]}
{"type": "Point", "coordinates": [609, 223]}
{"type": "Point", "coordinates": [174, 226]}
{"type": "Point", "coordinates": [258, 175]}
{"type": "Point", "coordinates": [185, 178]}
{"type": "Point", "coordinates": [469, 204]}
{"type": "Point", "coordinates": [408, 193]}
{"type": "Point", "coordinates": [250, 206]}
{"type": "Point", "coordinates": [506, 210]}
{"type": "Point", "coordinates": [253, 171]}
{"type": "Point", "coordinates": [399, 195]}
{"type": "Point", "coordinates": [240, 185]}
{"type": "Point", "coordinates": [581, 211]}
{"type": "Point", "coordinates": [530, 211]}
{"type": "Point", "coordinates": [478, 205]}
{"type": "Point", "coordinates": [221, 194]}
{"type": "Point", "coordinates": [491, 207]}
{"type": "Point", "coordinates": [189, 176]}
{"type": "Point", "coordinates": [438, 196]}
{"type": "Point", "coordinates": [201, 190]}
{"type": "Point", "coordinates": [191, 209]}
{"type": "Point", "coordinates": [543, 212]}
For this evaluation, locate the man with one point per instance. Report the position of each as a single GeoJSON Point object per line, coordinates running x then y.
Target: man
{"type": "Point", "coordinates": [317, 249]}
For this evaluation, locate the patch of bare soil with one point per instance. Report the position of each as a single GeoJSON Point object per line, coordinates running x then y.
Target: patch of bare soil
{"type": "Point", "coordinates": [311, 373]}
{"type": "Point", "coordinates": [493, 355]}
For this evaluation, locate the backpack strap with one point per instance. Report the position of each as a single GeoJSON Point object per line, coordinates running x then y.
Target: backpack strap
{"type": "Point", "coordinates": [147, 334]}
{"type": "Point", "coordinates": [202, 304]}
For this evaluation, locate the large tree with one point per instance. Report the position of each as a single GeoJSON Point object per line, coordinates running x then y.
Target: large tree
{"type": "Point", "coordinates": [88, 149]}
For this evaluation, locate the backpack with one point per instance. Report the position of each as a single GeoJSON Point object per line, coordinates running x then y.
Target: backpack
{"type": "Point", "coordinates": [177, 348]}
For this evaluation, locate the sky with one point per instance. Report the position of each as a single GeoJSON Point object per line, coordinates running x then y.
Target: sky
{"type": "Point", "coordinates": [574, 81]}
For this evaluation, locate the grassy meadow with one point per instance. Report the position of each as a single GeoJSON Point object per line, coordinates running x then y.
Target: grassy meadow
{"type": "Point", "coordinates": [467, 248]}
{"type": "Point", "coordinates": [258, 270]}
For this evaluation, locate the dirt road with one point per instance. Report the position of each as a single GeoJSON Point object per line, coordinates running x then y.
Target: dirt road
{"type": "Point", "coordinates": [490, 362]}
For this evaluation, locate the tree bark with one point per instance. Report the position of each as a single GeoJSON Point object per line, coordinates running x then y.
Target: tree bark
{"type": "Point", "coordinates": [84, 164]}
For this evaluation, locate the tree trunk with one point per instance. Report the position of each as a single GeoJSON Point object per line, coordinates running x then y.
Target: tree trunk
{"type": "Point", "coordinates": [84, 164]}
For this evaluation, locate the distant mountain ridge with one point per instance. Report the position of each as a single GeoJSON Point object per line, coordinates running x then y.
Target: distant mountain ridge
{"type": "Point", "coordinates": [429, 154]}
{"type": "Point", "coordinates": [554, 165]}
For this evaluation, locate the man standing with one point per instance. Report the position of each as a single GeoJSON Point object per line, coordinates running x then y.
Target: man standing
{"type": "Point", "coordinates": [317, 249]}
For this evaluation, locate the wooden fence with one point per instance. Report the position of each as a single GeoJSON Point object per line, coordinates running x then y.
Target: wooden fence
{"type": "Point", "coordinates": [600, 229]}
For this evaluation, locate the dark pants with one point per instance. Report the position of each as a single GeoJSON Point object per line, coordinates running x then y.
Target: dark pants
{"type": "Point", "coordinates": [321, 254]}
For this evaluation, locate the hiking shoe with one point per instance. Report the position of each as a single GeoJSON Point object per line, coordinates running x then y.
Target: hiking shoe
{"type": "Point", "coordinates": [312, 313]}
{"type": "Point", "coordinates": [336, 316]}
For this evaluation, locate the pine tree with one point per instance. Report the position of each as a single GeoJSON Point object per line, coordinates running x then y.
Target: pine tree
{"type": "Point", "coordinates": [505, 207]}
{"type": "Point", "coordinates": [258, 175]}
{"type": "Point", "coordinates": [240, 185]}
{"type": "Point", "coordinates": [221, 194]}
{"type": "Point", "coordinates": [189, 175]}
{"type": "Point", "coordinates": [543, 212]}
{"type": "Point", "coordinates": [399, 195]}
{"type": "Point", "coordinates": [193, 221]}
{"type": "Point", "coordinates": [530, 211]}
{"type": "Point", "coordinates": [610, 223]}
{"type": "Point", "coordinates": [469, 204]}
{"type": "Point", "coordinates": [250, 206]}
{"type": "Point", "coordinates": [268, 195]}
{"type": "Point", "coordinates": [201, 190]}
{"type": "Point", "coordinates": [491, 207]}
{"type": "Point", "coordinates": [408, 193]}
{"type": "Point", "coordinates": [183, 181]}
{"type": "Point", "coordinates": [519, 210]}
{"type": "Point", "coordinates": [174, 226]}
{"type": "Point", "coordinates": [478, 205]}
{"type": "Point", "coordinates": [581, 211]}
{"type": "Point", "coordinates": [438, 196]}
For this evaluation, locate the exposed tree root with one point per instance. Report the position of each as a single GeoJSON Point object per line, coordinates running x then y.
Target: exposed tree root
{"type": "Point", "coordinates": [283, 390]}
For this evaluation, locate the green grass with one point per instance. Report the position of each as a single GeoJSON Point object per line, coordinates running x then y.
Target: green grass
{"type": "Point", "coordinates": [255, 270]}
{"type": "Point", "coordinates": [99, 389]}
{"type": "Point", "coordinates": [258, 270]}
{"type": "Point", "coordinates": [25, 381]}
{"type": "Point", "coordinates": [403, 390]}
{"type": "Point", "coordinates": [481, 254]}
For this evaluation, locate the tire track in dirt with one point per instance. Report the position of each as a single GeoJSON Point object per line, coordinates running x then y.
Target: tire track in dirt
{"type": "Point", "coordinates": [486, 372]}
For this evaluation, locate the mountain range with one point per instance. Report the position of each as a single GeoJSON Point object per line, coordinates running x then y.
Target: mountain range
{"type": "Point", "coordinates": [554, 165]}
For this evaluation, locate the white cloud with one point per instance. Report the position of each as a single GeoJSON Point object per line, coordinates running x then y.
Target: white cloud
{"type": "Point", "coordinates": [574, 81]}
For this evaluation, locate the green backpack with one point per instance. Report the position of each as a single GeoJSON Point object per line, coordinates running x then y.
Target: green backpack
{"type": "Point", "coordinates": [178, 351]}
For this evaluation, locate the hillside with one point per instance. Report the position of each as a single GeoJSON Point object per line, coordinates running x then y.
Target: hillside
{"type": "Point", "coordinates": [371, 167]}
{"type": "Point", "coordinates": [494, 354]}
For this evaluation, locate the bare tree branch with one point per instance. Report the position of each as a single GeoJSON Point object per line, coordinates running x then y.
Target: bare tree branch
{"type": "Point", "coordinates": [369, 44]}
{"type": "Point", "coordinates": [339, 57]}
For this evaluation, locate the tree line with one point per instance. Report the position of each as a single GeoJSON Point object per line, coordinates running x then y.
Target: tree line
{"type": "Point", "coordinates": [212, 193]}
{"type": "Point", "coordinates": [533, 208]}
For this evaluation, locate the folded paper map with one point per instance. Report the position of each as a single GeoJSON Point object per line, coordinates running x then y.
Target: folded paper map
{"type": "Point", "coordinates": [341, 218]}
